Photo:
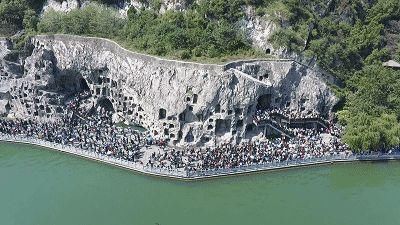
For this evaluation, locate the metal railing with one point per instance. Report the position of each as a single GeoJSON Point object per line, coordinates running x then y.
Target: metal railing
{"type": "Point", "coordinates": [197, 174]}
{"type": "Point", "coordinates": [341, 157]}
{"type": "Point", "coordinates": [179, 173]}
{"type": "Point", "coordinates": [272, 165]}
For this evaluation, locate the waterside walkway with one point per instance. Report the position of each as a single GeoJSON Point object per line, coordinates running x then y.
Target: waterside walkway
{"type": "Point", "coordinates": [196, 175]}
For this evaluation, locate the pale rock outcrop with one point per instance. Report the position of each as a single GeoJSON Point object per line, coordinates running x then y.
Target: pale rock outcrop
{"type": "Point", "coordinates": [60, 6]}
{"type": "Point", "coordinates": [258, 29]}
{"type": "Point", "coordinates": [4, 47]}
{"type": "Point", "coordinates": [175, 5]}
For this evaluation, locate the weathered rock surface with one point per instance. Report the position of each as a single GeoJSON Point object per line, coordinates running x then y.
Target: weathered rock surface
{"type": "Point", "coordinates": [122, 7]}
{"type": "Point", "coordinates": [258, 30]}
{"type": "Point", "coordinates": [61, 6]}
{"type": "Point", "coordinates": [176, 5]}
{"type": "Point", "coordinates": [190, 103]}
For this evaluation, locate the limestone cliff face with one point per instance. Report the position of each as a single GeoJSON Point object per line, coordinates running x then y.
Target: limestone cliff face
{"type": "Point", "coordinates": [190, 103]}
{"type": "Point", "coordinates": [259, 29]}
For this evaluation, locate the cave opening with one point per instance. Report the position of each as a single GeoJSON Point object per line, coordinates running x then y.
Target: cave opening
{"type": "Point", "coordinates": [264, 102]}
{"type": "Point", "coordinates": [71, 82]}
{"type": "Point", "coordinates": [84, 85]}
{"type": "Point", "coordinates": [195, 97]}
{"type": "Point", "coordinates": [106, 104]}
{"type": "Point", "coordinates": [162, 113]}
{"type": "Point", "coordinates": [189, 137]}
{"type": "Point", "coordinates": [250, 128]}
{"type": "Point", "coordinates": [217, 108]}
{"type": "Point", "coordinates": [8, 106]}
{"type": "Point", "coordinates": [222, 126]}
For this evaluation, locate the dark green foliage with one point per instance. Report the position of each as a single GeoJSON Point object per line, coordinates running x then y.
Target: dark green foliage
{"type": "Point", "coordinates": [374, 90]}
{"type": "Point", "coordinates": [18, 14]}
{"type": "Point", "coordinates": [221, 9]}
{"type": "Point", "coordinates": [36, 5]}
{"type": "Point", "coordinates": [11, 15]}
{"type": "Point", "coordinates": [372, 109]}
{"type": "Point", "coordinates": [366, 132]}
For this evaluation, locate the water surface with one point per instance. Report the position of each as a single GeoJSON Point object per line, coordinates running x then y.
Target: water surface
{"type": "Point", "coordinates": [43, 187]}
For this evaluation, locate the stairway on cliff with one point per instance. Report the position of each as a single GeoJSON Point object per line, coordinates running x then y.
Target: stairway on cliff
{"type": "Point", "coordinates": [249, 77]}
{"type": "Point", "coordinates": [275, 126]}
{"type": "Point", "coordinates": [303, 122]}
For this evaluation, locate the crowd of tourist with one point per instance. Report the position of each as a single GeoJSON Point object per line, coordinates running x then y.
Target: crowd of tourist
{"type": "Point", "coordinates": [307, 144]}
{"type": "Point", "coordinates": [92, 129]}
{"type": "Point", "coordinates": [94, 133]}
{"type": "Point", "coordinates": [270, 116]}
{"type": "Point", "coordinates": [73, 104]}
{"type": "Point", "coordinates": [286, 113]}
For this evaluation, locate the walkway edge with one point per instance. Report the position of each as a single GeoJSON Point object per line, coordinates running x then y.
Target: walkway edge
{"type": "Point", "coordinates": [185, 178]}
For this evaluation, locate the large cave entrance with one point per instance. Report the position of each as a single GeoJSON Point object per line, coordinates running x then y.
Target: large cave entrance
{"type": "Point", "coordinates": [70, 82]}
{"type": "Point", "coordinates": [264, 102]}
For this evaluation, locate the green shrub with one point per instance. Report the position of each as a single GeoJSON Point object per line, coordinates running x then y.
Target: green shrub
{"type": "Point", "coordinates": [260, 11]}
{"type": "Point", "coordinates": [93, 20]}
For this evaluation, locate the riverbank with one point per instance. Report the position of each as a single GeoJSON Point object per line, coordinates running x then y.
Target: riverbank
{"type": "Point", "coordinates": [181, 174]}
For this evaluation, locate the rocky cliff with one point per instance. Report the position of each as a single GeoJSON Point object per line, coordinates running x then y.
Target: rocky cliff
{"type": "Point", "coordinates": [189, 103]}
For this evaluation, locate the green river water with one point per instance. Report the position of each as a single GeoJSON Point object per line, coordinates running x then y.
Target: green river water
{"type": "Point", "coordinates": [39, 186]}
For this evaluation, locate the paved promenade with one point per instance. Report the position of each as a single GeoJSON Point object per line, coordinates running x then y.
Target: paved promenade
{"type": "Point", "coordinates": [195, 175]}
